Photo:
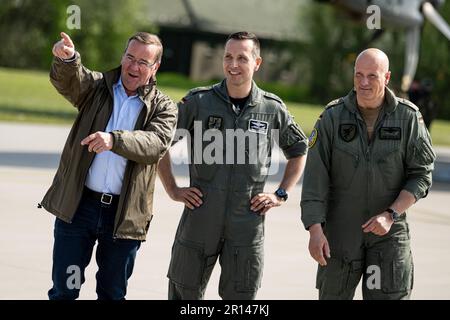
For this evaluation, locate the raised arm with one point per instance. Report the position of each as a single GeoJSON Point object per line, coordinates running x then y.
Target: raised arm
{"type": "Point", "coordinates": [70, 78]}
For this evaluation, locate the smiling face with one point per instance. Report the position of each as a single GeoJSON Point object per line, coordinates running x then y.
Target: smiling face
{"type": "Point", "coordinates": [239, 64]}
{"type": "Point", "coordinates": [371, 77]}
{"type": "Point", "coordinates": [138, 65]}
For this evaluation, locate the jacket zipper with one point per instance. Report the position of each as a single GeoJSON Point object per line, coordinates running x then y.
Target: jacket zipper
{"type": "Point", "coordinates": [125, 196]}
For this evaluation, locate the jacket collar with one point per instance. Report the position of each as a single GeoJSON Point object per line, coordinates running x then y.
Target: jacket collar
{"type": "Point", "coordinates": [255, 93]}
{"type": "Point", "coordinates": [390, 101]}
{"type": "Point", "coordinates": [145, 93]}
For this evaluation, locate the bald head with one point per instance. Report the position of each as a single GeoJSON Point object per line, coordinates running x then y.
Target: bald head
{"type": "Point", "coordinates": [371, 77]}
{"type": "Point", "coordinates": [375, 56]}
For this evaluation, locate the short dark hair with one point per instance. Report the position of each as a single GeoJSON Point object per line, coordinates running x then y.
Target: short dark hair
{"type": "Point", "coordinates": [148, 38]}
{"type": "Point", "coordinates": [244, 35]}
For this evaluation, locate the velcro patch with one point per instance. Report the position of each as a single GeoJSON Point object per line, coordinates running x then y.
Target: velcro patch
{"type": "Point", "coordinates": [347, 132]}
{"type": "Point", "coordinates": [258, 126]}
{"type": "Point", "coordinates": [312, 138]}
{"type": "Point", "coordinates": [215, 122]}
{"type": "Point", "coordinates": [390, 133]}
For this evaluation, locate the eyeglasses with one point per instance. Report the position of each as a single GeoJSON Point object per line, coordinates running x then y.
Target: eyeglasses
{"type": "Point", "coordinates": [141, 63]}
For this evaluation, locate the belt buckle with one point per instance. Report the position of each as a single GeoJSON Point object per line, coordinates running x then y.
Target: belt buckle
{"type": "Point", "coordinates": [109, 198]}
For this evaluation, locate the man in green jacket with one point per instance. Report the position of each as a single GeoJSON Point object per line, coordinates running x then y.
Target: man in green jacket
{"type": "Point", "coordinates": [370, 160]}
{"type": "Point", "coordinates": [232, 126]}
{"type": "Point", "coordinates": [103, 189]}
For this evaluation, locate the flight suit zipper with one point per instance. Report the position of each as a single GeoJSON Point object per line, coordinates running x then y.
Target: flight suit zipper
{"type": "Point", "coordinates": [229, 181]}
{"type": "Point", "coordinates": [365, 148]}
{"type": "Point", "coordinates": [369, 144]}
{"type": "Point", "coordinates": [236, 118]}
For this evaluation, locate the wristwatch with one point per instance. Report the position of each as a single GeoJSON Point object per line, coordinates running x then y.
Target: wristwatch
{"type": "Point", "coordinates": [282, 194]}
{"type": "Point", "coordinates": [394, 214]}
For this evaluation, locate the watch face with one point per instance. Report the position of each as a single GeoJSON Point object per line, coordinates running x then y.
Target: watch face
{"type": "Point", "coordinates": [395, 215]}
{"type": "Point", "coordinates": [281, 193]}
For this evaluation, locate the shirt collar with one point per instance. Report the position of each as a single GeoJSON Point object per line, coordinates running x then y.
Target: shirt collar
{"type": "Point", "coordinates": [254, 96]}
{"type": "Point", "coordinates": [119, 86]}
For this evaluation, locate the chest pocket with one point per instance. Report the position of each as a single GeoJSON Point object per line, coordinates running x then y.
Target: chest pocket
{"type": "Point", "coordinates": [390, 166]}
{"type": "Point", "coordinates": [258, 130]}
{"type": "Point", "coordinates": [344, 164]}
{"type": "Point", "coordinates": [207, 145]}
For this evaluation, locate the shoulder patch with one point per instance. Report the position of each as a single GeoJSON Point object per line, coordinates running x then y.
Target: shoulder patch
{"type": "Point", "coordinates": [272, 96]}
{"type": "Point", "coordinates": [334, 103]}
{"type": "Point", "coordinates": [312, 138]}
{"type": "Point", "coordinates": [408, 103]}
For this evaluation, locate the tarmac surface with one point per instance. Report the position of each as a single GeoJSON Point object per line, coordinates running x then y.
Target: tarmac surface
{"type": "Point", "coordinates": [29, 156]}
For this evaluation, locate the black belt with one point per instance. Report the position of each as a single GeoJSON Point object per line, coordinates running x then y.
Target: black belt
{"type": "Point", "coordinates": [104, 198]}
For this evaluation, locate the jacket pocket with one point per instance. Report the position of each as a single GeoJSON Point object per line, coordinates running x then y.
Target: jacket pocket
{"type": "Point", "coordinates": [345, 162]}
{"type": "Point", "coordinates": [257, 160]}
{"type": "Point", "coordinates": [248, 264]}
{"type": "Point", "coordinates": [187, 265]}
{"type": "Point", "coordinates": [397, 269]}
{"type": "Point", "coordinates": [391, 170]}
{"type": "Point", "coordinates": [424, 153]}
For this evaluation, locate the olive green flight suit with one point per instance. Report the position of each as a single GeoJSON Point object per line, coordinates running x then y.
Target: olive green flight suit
{"type": "Point", "coordinates": [224, 226]}
{"type": "Point", "coordinates": [349, 180]}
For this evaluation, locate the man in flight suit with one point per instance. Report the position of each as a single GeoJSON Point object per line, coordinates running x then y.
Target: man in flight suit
{"type": "Point", "coordinates": [370, 160]}
{"type": "Point", "coordinates": [226, 202]}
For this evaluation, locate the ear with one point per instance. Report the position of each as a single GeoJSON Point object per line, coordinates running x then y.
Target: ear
{"type": "Point", "coordinates": [387, 77]}
{"type": "Point", "coordinates": [156, 67]}
{"type": "Point", "coordinates": [258, 63]}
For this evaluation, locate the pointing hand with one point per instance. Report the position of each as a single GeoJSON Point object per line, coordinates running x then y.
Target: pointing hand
{"type": "Point", "coordinates": [64, 48]}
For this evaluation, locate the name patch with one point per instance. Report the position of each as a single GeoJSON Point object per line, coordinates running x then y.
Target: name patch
{"type": "Point", "coordinates": [390, 133]}
{"type": "Point", "coordinates": [258, 126]}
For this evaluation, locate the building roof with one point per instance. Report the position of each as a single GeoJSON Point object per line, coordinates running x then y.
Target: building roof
{"type": "Point", "coordinates": [270, 19]}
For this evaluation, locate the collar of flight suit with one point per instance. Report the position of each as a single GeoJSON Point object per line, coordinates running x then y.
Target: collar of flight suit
{"type": "Point", "coordinates": [390, 101]}
{"type": "Point", "coordinates": [146, 93]}
{"type": "Point", "coordinates": [255, 93]}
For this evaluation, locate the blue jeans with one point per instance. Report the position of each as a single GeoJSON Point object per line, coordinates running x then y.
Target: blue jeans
{"type": "Point", "coordinates": [72, 251]}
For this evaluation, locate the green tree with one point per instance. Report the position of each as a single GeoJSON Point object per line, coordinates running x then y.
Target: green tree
{"type": "Point", "coordinates": [25, 29]}
{"type": "Point", "coordinates": [329, 52]}
{"type": "Point", "coordinates": [105, 28]}
{"type": "Point", "coordinates": [434, 63]}
{"type": "Point", "coordinates": [29, 28]}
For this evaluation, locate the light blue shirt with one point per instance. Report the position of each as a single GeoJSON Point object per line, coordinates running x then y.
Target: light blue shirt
{"type": "Point", "coordinates": [107, 170]}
